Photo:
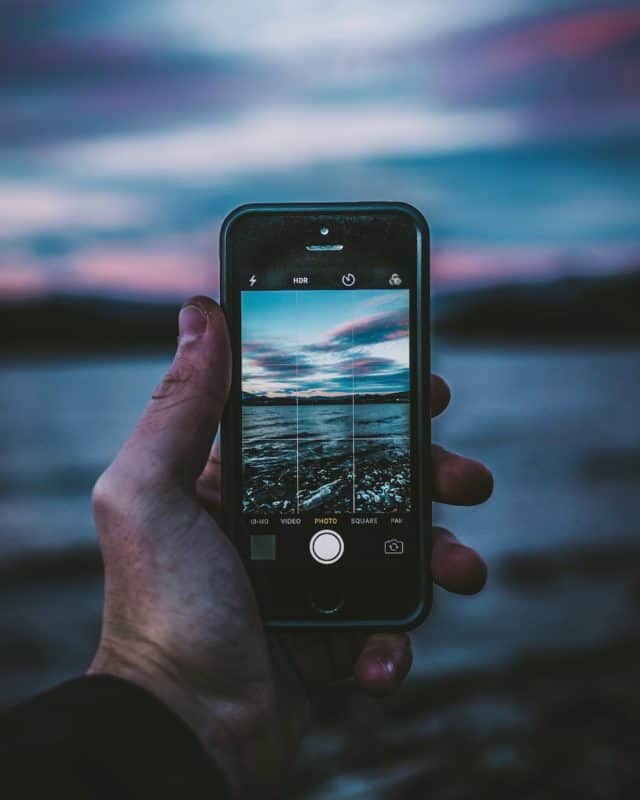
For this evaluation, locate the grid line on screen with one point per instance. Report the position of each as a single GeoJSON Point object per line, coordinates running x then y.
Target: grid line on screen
{"type": "Point", "coordinates": [353, 424]}
{"type": "Point", "coordinates": [297, 413]}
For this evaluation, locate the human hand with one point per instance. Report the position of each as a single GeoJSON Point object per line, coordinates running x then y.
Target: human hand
{"type": "Point", "coordinates": [180, 616]}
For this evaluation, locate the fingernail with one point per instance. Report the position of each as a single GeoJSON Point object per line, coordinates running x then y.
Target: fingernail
{"type": "Point", "coordinates": [191, 322]}
{"type": "Point", "coordinates": [388, 666]}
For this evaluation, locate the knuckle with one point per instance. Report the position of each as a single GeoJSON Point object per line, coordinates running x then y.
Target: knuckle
{"type": "Point", "coordinates": [174, 386]}
{"type": "Point", "coordinates": [102, 494]}
{"type": "Point", "coordinates": [109, 495]}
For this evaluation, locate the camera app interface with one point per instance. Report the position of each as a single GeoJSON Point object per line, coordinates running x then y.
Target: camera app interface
{"type": "Point", "coordinates": [326, 401]}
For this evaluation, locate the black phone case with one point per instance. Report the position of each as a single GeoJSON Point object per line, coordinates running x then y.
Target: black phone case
{"type": "Point", "coordinates": [229, 448]}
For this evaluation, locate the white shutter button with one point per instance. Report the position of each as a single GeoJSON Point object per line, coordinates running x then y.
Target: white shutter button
{"type": "Point", "coordinates": [326, 547]}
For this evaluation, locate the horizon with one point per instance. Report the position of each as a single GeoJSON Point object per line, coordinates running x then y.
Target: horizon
{"type": "Point", "coordinates": [323, 396]}
{"type": "Point", "coordinates": [127, 138]}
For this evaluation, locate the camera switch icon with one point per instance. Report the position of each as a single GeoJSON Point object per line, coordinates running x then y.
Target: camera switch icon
{"type": "Point", "coordinates": [395, 280]}
{"type": "Point", "coordinates": [393, 547]}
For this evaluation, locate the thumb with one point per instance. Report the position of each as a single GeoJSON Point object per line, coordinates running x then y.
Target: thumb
{"type": "Point", "coordinates": [173, 438]}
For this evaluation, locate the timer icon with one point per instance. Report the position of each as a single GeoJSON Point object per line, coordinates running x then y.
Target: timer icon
{"type": "Point", "coordinates": [348, 279]}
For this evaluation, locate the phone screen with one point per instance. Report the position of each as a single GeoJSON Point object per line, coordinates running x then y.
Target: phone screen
{"type": "Point", "coordinates": [327, 413]}
{"type": "Point", "coordinates": [326, 401]}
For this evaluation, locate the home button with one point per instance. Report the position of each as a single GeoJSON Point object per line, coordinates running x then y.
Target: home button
{"type": "Point", "coordinates": [326, 546]}
{"type": "Point", "coordinates": [327, 599]}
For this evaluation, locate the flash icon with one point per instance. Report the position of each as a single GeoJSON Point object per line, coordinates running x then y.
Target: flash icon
{"type": "Point", "coordinates": [252, 281]}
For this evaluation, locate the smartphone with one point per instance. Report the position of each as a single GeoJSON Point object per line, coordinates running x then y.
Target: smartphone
{"type": "Point", "coordinates": [326, 435]}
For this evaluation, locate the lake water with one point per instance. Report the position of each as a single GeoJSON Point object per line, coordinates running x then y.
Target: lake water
{"type": "Point", "coordinates": [559, 427]}
{"type": "Point", "coordinates": [335, 458]}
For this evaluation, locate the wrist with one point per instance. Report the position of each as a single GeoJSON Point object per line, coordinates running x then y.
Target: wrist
{"type": "Point", "coordinates": [232, 732]}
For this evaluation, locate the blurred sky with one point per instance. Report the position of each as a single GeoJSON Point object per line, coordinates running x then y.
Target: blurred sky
{"type": "Point", "coordinates": [129, 128]}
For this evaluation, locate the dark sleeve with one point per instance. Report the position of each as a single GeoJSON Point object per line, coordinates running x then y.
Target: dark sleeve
{"type": "Point", "coordinates": [102, 737]}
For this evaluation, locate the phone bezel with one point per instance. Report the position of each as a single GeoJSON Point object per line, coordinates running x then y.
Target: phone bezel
{"type": "Point", "coordinates": [230, 448]}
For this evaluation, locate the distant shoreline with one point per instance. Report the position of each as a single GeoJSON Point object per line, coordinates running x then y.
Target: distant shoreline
{"type": "Point", "coordinates": [343, 400]}
{"type": "Point", "coordinates": [580, 310]}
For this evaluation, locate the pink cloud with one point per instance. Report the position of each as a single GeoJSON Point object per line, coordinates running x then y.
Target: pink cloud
{"type": "Point", "coordinates": [377, 328]}
{"type": "Point", "coordinates": [489, 59]}
{"type": "Point", "coordinates": [571, 36]}
{"type": "Point", "coordinates": [177, 269]}
{"type": "Point", "coordinates": [157, 271]}
{"type": "Point", "coordinates": [369, 365]}
{"type": "Point", "coordinates": [475, 265]}
{"type": "Point", "coordinates": [17, 282]}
